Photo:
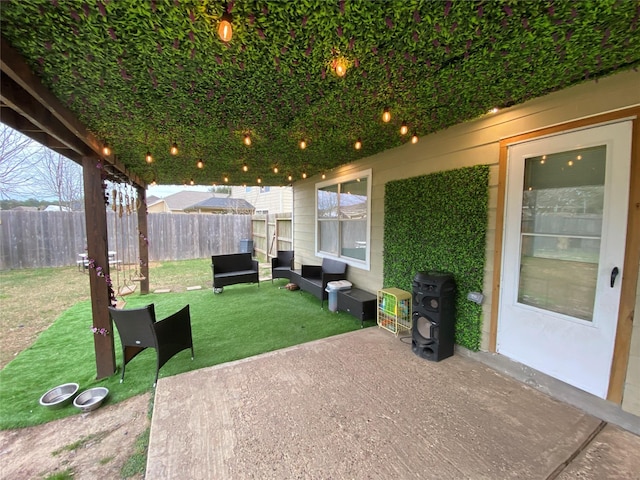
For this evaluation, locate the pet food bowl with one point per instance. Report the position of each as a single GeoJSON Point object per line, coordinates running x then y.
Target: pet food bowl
{"type": "Point", "coordinates": [59, 396]}
{"type": "Point", "coordinates": [91, 399]}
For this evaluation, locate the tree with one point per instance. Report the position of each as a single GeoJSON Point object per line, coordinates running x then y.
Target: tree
{"type": "Point", "coordinates": [18, 157]}
{"type": "Point", "coordinates": [60, 178]}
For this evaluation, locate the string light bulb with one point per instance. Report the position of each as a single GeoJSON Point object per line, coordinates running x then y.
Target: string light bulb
{"type": "Point", "coordinates": [106, 150]}
{"type": "Point", "coordinates": [340, 67]}
{"type": "Point", "coordinates": [275, 169]}
{"type": "Point", "coordinates": [200, 164]}
{"type": "Point", "coordinates": [303, 144]}
{"type": "Point", "coordinates": [386, 115]}
{"type": "Point", "coordinates": [225, 30]}
{"type": "Point", "coordinates": [245, 167]}
{"type": "Point", "coordinates": [493, 110]}
{"type": "Point", "coordinates": [358, 144]}
{"type": "Point", "coordinates": [174, 149]}
{"type": "Point", "coordinates": [247, 140]}
{"type": "Point", "coordinates": [290, 177]}
{"type": "Point", "coordinates": [414, 139]}
{"type": "Point", "coordinates": [323, 176]}
{"type": "Point", "coordinates": [404, 129]}
{"type": "Point", "coordinates": [148, 157]}
{"type": "Point", "coordinates": [304, 174]}
{"type": "Point", "coordinates": [226, 179]}
{"type": "Point", "coordinates": [259, 180]}
{"type": "Point", "coordinates": [191, 182]}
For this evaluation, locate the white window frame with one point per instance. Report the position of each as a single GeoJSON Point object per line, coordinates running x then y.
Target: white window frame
{"type": "Point", "coordinates": [366, 264]}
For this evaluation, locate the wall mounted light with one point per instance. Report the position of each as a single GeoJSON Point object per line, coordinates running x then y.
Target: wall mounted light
{"type": "Point", "coordinates": [247, 140]}
{"type": "Point", "coordinates": [386, 115]}
{"type": "Point", "coordinates": [148, 158]}
{"type": "Point", "coordinates": [358, 144]}
{"type": "Point", "coordinates": [200, 164]}
{"type": "Point", "coordinates": [404, 129]}
{"type": "Point", "coordinates": [225, 30]}
{"type": "Point", "coordinates": [174, 149]}
{"type": "Point", "coordinates": [414, 138]}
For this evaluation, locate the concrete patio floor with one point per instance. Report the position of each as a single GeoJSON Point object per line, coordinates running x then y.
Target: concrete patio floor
{"type": "Point", "coordinates": [363, 406]}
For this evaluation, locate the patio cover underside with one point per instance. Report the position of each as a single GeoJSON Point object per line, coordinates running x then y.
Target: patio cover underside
{"type": "Point", "coordinates": [362, 405]}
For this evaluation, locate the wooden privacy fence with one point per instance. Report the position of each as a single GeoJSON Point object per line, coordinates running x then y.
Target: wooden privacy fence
{"type": "Point", "coordinates": [55, 239]}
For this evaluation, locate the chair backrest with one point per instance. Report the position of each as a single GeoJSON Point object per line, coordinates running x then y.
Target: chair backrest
{"type": "Point", "coordinates": [333, 266]}
{"type": "Point", "coordinates": [231, 262]}
{"type": "Point", "coordinates": [285, 257]}
{"type": "Point", "coordinates": [135, 326]}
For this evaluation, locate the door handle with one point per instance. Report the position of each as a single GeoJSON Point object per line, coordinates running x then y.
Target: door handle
{"type": "Point", "coordinates": [614, 274]}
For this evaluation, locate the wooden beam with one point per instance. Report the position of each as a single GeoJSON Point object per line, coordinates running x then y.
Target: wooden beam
{"type": "Point", "coordinates": [37, 116]}
{"type": "Point", "coordinates": [98, 250]}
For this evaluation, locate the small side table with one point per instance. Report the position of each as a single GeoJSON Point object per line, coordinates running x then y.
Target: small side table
{"type": "Point", "coordinates": [359, 303]}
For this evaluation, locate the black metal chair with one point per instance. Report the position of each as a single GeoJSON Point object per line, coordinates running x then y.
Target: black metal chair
{"type": "Point", "coordinates": [282, 264]}
{"type": "Point", "coordinates": [139, 330]}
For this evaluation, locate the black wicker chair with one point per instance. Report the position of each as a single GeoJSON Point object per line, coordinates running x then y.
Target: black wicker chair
{"type": "Point", "coordinates": [282, 264]}
{"type": "Point", "coordinates": [139, 330]}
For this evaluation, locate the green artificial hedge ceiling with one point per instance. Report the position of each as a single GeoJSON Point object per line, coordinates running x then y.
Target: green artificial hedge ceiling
{"type": "Point", "coordinates": [439, 222]}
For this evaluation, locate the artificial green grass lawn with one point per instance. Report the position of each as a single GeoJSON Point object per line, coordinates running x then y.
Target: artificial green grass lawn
{"type": "Point", "coordinates": [242, 321]}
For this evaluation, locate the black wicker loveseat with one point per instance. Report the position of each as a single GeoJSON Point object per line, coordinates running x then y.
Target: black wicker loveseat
{"type": "Point", "coordinates": [233, 268]}
{"type": "Point", "coordinates": [314, 278]}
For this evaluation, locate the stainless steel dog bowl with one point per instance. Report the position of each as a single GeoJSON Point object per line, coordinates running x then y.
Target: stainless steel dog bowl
{"type": "Point", "coordinates": [91, 399]}
{"type": "Point", "coordinates": [59, 396]}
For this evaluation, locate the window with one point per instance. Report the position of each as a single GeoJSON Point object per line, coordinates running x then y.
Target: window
{"type": "Point", "coordinates": [342, 216]}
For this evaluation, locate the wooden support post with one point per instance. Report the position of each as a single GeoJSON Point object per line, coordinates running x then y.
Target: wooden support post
{"type": "Point", "coordinates": [97, 249]}
{"type": "Point", "coordinates": [143, 242]}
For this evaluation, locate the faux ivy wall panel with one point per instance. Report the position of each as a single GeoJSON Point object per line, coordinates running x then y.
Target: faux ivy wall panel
{"type": "Point", "coordinates": [439, 222]}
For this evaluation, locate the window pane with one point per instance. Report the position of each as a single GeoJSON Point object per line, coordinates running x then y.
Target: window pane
{"type": "Point", "coordinates": [353, 199]}
{"type": "Point", "coordinates": [328, 236]}
{"type": "Point", "coordinates": [354, 239]}
{"type": "Point", "coordinates": [328, 202]}
{"type": "Point", "coordinates": [562, 205]}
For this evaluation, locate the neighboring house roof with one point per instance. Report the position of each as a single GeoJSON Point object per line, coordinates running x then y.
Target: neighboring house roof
{"type": "Point", "coordinates": [183, 200]}
{"type": "Point", "coordinates": [151, 199]}
{"type": "Point", "coordinates": [224, 204]}
{"type": "Point", "coordinates": [56, 208]}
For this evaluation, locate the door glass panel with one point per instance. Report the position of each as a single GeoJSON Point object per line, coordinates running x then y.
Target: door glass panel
{"type": "Point", "coordinates": [562, 207]}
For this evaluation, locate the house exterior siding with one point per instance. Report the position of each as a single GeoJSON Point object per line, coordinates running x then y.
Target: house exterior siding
{"type": "Point", "coordinates": [472, 143]}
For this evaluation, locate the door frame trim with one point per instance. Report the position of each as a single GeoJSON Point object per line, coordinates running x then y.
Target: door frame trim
{"type": "Point", "coordinates": [624, 327]}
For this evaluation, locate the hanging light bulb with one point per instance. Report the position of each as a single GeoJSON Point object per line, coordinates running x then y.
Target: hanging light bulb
{"type": "Point", "coordinates": [289, 177]}
{"type": "Point", "coordinates": [386, 115]}
{"type": "Point", "coordinates": [225, 30]}
{"type": "Point", "coordinates": [493, 110]}
{"type": "Point", "coordinates": [304, 174]}
{"type": "Point", "coordinates": [245, 167]}
{"type": "Point", "coordinates": [226, 179]}
{"type": "Point", "coordinates": [404, 129]}
{"type": "Point", "coordinates": [200, 164]}
{"type": "Point", "coordinates": [358, 144]}
{"type": "Point", "coordinates": [191, 182]}
{"type": "Point", "coordinates": [153, 183]}
{"type": "Point", "coordinates": [259, 180]}
{"type": "Point", "coordinates": [148, 157]}
{"type": "Point", "coordinates": [275, 169]}
{"type": "Point", "coordinates": [174, 149]}
{"type": "Point", "coordinates": [414, 138]}
{"type": "Point", "coordinates": [323, 176]}
{"type": "Point", "coordinates": [340, 66]}
{"type": "Point", "coordinates": [247, 140]}
{"type": "Point", "coordinates": [303, 144]}
{"type": "Point", "coordinates": [106, 150]}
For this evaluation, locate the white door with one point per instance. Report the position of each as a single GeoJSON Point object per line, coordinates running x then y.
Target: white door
{"type": "Point", "coordinates": [565, 230]}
